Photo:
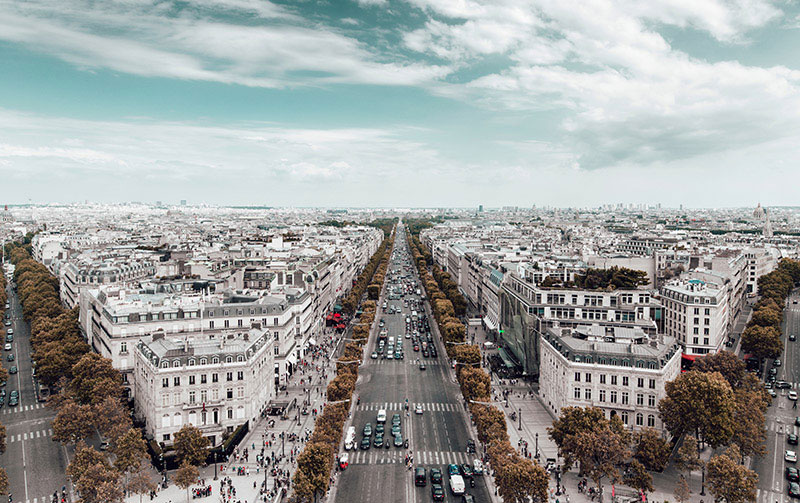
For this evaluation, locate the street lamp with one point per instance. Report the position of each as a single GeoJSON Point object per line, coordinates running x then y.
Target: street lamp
{"type": "Point", "coordinates": [215, 465]}
{"type": "Point", "coordinates": [537, 445]}
{"type": "Point", "coordinates": [703, 481]}
{"type": "Point", "coordinates": [520, 419]}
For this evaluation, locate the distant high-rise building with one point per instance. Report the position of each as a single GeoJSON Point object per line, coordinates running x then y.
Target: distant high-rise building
{"type": "Point", "coordinates": [480, 208]}
{"type": "Point", "coordinates": [183, 202]}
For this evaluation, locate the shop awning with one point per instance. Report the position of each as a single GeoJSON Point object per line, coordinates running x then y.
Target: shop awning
{"type": "Point", "coordinates": [506, 359]}
{"type": "Point", "coordinates": [490, 323]}
{"type": "Point", "coordinates": [691, 358]}
{"type": "Point", "coordinates": [312, 341]}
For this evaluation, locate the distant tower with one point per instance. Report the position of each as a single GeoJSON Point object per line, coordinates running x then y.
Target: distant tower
{"type": "Point", "coordinates": [480, 208]}
{"type": "Point", "coordinates": [759, 212]}
{"type": "Point", "coordinates": [767, 225]}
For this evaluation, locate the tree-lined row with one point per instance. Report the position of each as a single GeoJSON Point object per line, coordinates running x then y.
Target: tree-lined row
{"type": "Point", "coordinates": [762, 337]}
{"type": "Point", "coordinates": [366, 279]}
{"type": "Point", "coordinates": [315, 463]}
{"type": "Point", "coordinates": [518, 479]}
{"type": "Point", "coordinates": [90, 398]}
{"type": "Point", "coordinates": [3, 379]}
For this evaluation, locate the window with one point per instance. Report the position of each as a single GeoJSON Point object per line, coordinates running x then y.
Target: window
{"type": "Point", "coordinates": [707, 312]}
{"type": "Point", "coordinates": [229, 376]}
{"type": "Point", "coordinates": [165, 382]}
{"type": "Point", "coordinates": [651, 400]}
{"type": "Point", "coordinates": [587, 394]}
{"type": "Point", "coordinates": [230, 413]}
{"type": "Point", "coordinates": [165, 436]}
{"type": "Point", "coordinates": [176, 363]}
{"type": "Point", "coordinates": [204, 396]}
{"type": "Point", "coordinates": [613, 397]}
{"type": "Point", "coordinates": [215, 360]}
{"type": "Point", "coordinates": [613, 380]}
{"type": "Point", "coordinates": [203, 361]}
{"type": "Point", "coordinates": [165, 400]}
{"type": "Point", "coordinates": [652, 384]}
{"type": "Point", "coordinates": [191, 380]}
{"type": "Point", "coordinates": [228, 359]}
{"type": "Point", "coordinates": [625, 418]}
{"type": "Point", "coordinates": [176, 381]}
{"type": "Point", "coordinates": [706, 322]}
{"type": "Point", "coordinates": [203, 378]}
{"type": "Point", "coordinates": [123, 347]}
{"type": "Point", "coordinates": [240, 392]}
{"type": "Point", "coordinates": [639, 399]}
{"type": "Point", "coordinates": [577, 394]}
{"type": "Point", "coordinates": [602, 397]}
{"type": "Point", "coordinates": [624, 380]}
{"type": "Point", "coordinates": [640, 382]}
{"type": "Point", "coordinates": [625, 398]}
{"type": "Point", "coordinates": [214, 394]}
{"type": "Point", "coordinates": [229, 393]}
{"type": "Point", "coordinates": [577, 377]}
{"type": "Point", "coordinates": [214, 377]}
{"type": "Point", "coordinates": [191, 397]}
{"type": "Point", "coordinates": [651, 420]}
{"type": "Point", "coordinates": [240, 376]}
{"type": "Point", "coordinates": [602, 378]}
{"type": "Point", "coordinates": [639, 419]}
{"type": "Point", "coordinates": [588, 377]}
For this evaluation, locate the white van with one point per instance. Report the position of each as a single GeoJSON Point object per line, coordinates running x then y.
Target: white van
{"type": "Point", "coordinates": [350, 438]}
{"type": "Point", "coordinates": [382, 416]}
{"type": "Point", "coordinates": [391, 341]}
{"type": "Point", "coordinates": [456, 484]}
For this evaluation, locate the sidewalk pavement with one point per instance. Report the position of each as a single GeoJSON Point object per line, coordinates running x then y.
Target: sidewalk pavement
{"type": "Point", "coordinates": [248, 485]}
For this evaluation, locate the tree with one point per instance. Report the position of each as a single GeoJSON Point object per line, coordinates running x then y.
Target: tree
{"type": "Point", "coordinates": [637, 477]}
{"type": "Point", "coordinates": [682, 492]}
{"type": "Point", "coordinates": [468, 353]}
{"type": "Point", "coordinates": [3, 481]}
{"type": "Point", "coordinates": [700, 403]}
{"type": "Point", "coordinates": [141, 483]}
{"type": "Point", "coordinates": [728, 480]}
{"type": "Point", "coordinates": [93, 373]}
{"type": "Point", "coordinates": [98, 483]}
{"type": "Point", "coordinates": [766, 317]}
{"type": "Point", "coordinates": [762, 342]}
{"type": "Point", "coordinates": [72, 423]}
{"type": "Point", "coordinates": [600, 451]}
{"type": "Point", "coordinates": [130, 450]}
{"type": "Point", "coordinates": [85, 457]}
{"type": "Point", "coordinates": [186, 476]}
{"type": "Point", "coordinates": [2, 438]}
{"type": "Point", "coordinates": [572, 421]}
{"type": "Point", "coordinates": [687, 458]}
{"type": "Point", "coordinates": [190, 445]}
{"type": "Point", "coordinates": [748, 425]}
{"type": "Point", "coordinates": [652, 451]}
{"type": "Point", "coordinates": [475, 383]}
{"type": "Point", "coordinates": [111, 417]}
{"type": "Point", "coordinates": [726, 363]}
{"type": "Point", "coordinates": [316, 462]}
{"type": "Point", "coordinates": [521, 480]}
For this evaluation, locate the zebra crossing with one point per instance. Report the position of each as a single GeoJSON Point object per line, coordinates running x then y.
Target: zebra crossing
{"type": "Point", "coordinates": [379, 457]}
{"type": "Point", "coordinates": [22, 408]}
{"type": "Point", "coordinates": [407, 361]}
{"type": "Point", "coordinates": [30, 435]}
{"type": "Point", "coordinates": [765, 496]}
{"type": "Point", "coordinates": [400, 406]}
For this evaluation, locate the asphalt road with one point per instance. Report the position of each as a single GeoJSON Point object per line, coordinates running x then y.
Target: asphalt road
{"type": "Point", "coordinates": [35, 464]}
{"type": "Point", "coordinates": [772, 483]}
{"type": "Point", "coordinates": [437, 437]}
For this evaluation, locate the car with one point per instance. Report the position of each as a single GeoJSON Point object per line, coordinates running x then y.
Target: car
{"type": "Point", "coordinates": [396, 419]}
{"type": "Point", "coordinates": [416, 348]}
{"type": "Point", "coordinates": [467, 498]}
{"type": "Point", "coordinates": [790, 456]}
{"type": "Point", "coordinates": [396, 429]}
{"type": "Point", "coordinates": [367, 430]}
{"type": "Point", "coordinates": [9, 338]}
{"type": "Point", "coordinates": [466, 470]}
{"type": "Point", "coordinates": [418, 409]}
{"type": "Point", "coordinates": [422, 366]}
{"type": "Point", "coordinates": [398, 440]}
{"type": "Point", "coordinates": [13, 369]}
{"type": "Point", "coordinates": [772, 393]}
{"type": "Point", "coordinates": [419, 477]}
{"type": "Point", "coordinates": [398, 355]}
{"type": "Point", "coordinates": [436, 476]}
{"type": "Point", "coordinates": [374, 355]}
{"type": "Point", "coordinates": [437, 492]}
{"type": "Point", "coordinates": [10, 331]}
{"type": "Point", "coordinates": [477, 467]}
{"type": "Point", "coordinates": [791, 439]}
{"type": "Point", "coordinates": [10, 357]}
{"type": "Point", "coordinates": [8, 323]}
{"type": "Point", "coordinates": [782, 385]}
{"type": "Point", "coordinates": [382, 416]}
{"type": "Point", "coordinates": [379, 429]}
{"type": "Point", "coordinates": [471, 446]}
{"type": "Point", "coordinates": [378, 442]}
{"type": "Point", "coordinates": [365, 443]}
{"type": "Point", "coordinates": [792, 337]}
{"type": "Point", "coordinates": [7, 347]}
{"type": "Point", "coordinates": [453, 469]}
{"type": "Point", "coordinates": [773, 371]}
{"type": "Point", "coordinates": [794, 490]}
{"type": "Point", "coordinates": [797, 421]}
{"type": "Point", "coordinates": [390, 355]}
{"type": "Point", "coordinates": [793, 395]}
{"type": "Point", "coordinates": [380, 350]}
{"type": "Point", "coordinates": [792, 474]}
{"type": "Point", "coordinates": [776, 363]}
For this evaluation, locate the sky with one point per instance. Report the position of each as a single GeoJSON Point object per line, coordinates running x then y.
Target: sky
{"type": "Point", "coordinates": [402, 103]}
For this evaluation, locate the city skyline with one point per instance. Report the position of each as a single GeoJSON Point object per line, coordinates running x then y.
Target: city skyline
{"type": "Point", "coordinates": [414, 103]}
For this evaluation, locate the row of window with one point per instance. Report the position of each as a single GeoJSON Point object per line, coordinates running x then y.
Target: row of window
{"type": "Point", "coordinates": [612, 396]}
{"type": "Point", "coordinates": [176, 381]}
{"type": "Point", "coordinates": [640, 381]}
{"type": "Point", "coordinates": [203, 361]}
{"type": "Point", "coordinates": [177, 397]}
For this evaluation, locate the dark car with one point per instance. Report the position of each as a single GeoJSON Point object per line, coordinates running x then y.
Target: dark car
{"type": "Point", "coordinates": [10, 357]}
{"type": "Point", "coordinates": [367, 432]}
{"type": "Point", "coordinates": [791, 439]}
{"type": "Point", "coordinates": [12, 370]}
{"type": "Point", "coordinates": [436, 476]}
{"type": "Point", "coordinates": [378, 442]}
{"type": "Point", "coordinates": [365, 443]}
{"type": "Point", "coordinates": [792, 474]}
{"type": "Point", "coordinates": [396, 419]}
{"type": "Point", "coordinates": [782, 385]}
{"type": "Point", "coordinates": [467, 498]}
{"type": "Point", "coordinates": [437, 492]}
{"type": "Point", "coordinates": [466, 470]}
{"type": "Point", "coordinates": [380, 428]}
{"type": "Point", "coordinates": [471, 445]}
{"type": "Point", "coordinates": [419, 477]}
{"type": "Point", "coordinates": [453, 469]}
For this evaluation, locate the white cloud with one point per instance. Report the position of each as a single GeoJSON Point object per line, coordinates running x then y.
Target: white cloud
{"type": "Point", "coordinates": [371, 3]}
{"type": "Point", "coordinates": [143, 40]}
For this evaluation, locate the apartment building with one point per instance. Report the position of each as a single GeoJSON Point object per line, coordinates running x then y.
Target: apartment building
{"type": "Point", "coordinates": [213, 383]}
{"type": "Point", "coordinates": [77, 275]}
{"type": "Point", "coordinates": [696, 315]}
{"type": "Point", "coordinates": [620, 370]}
